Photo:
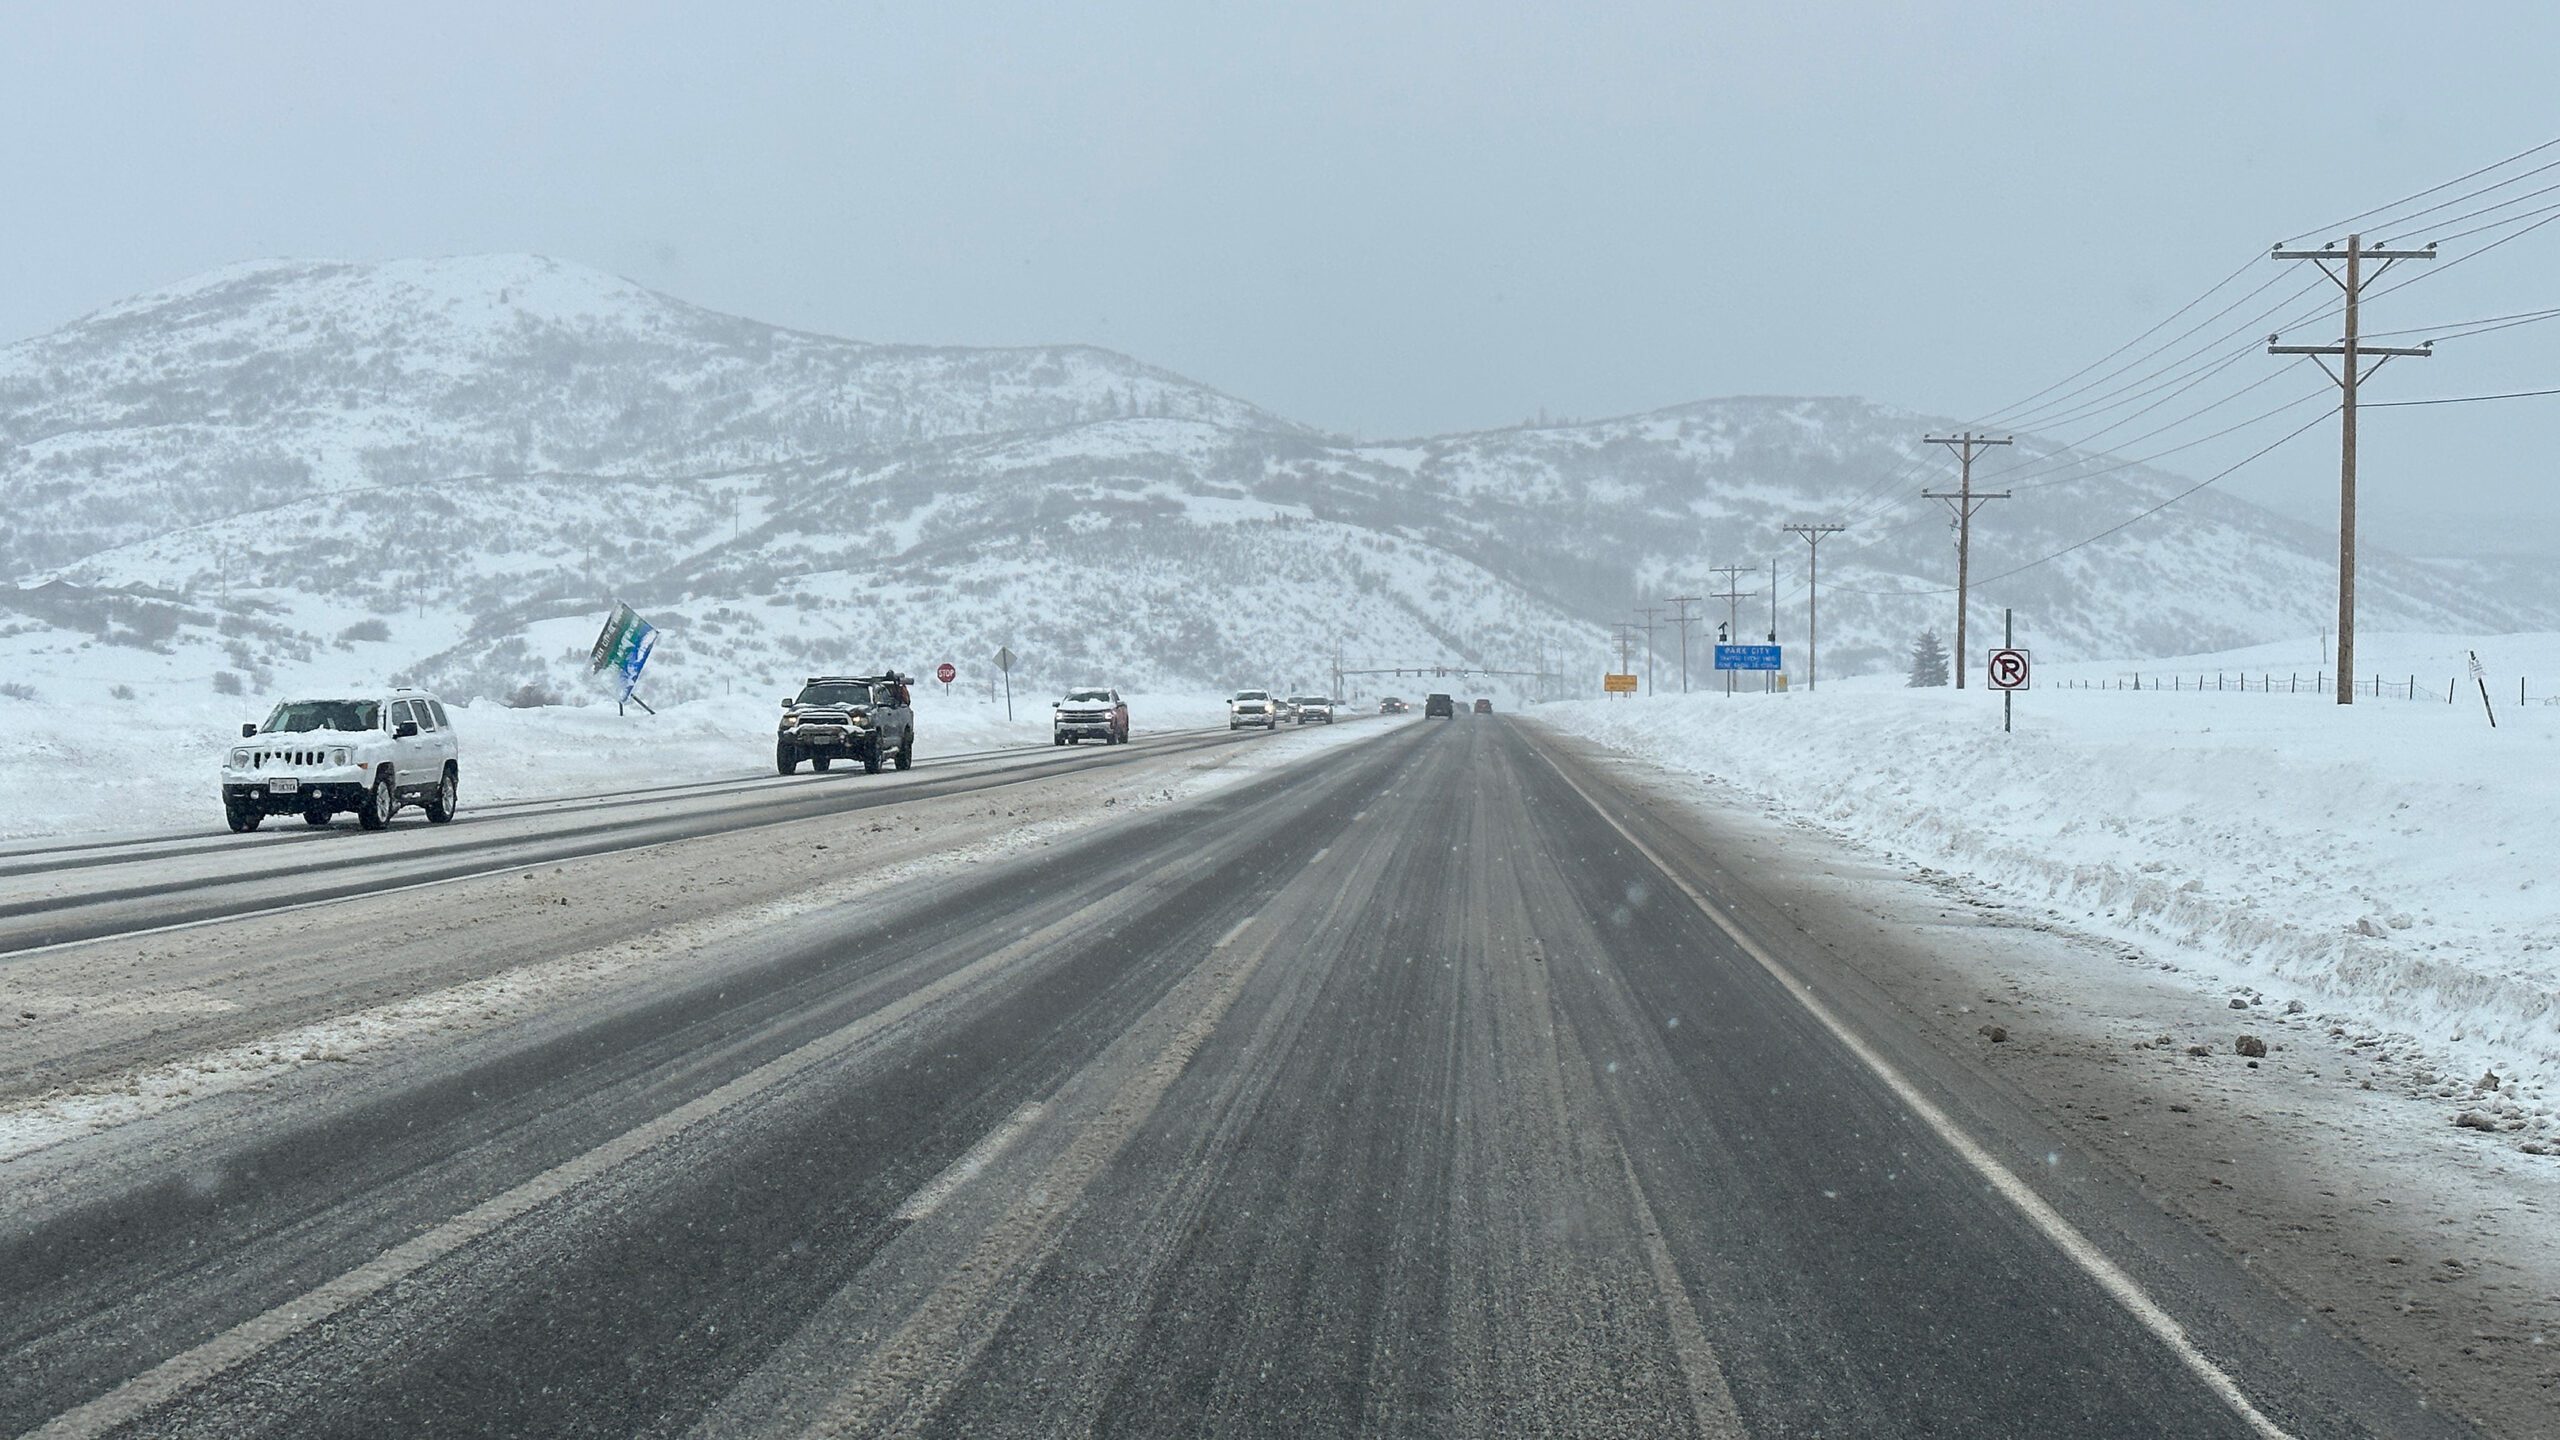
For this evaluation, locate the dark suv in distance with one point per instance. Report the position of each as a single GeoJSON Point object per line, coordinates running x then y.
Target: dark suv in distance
{"type": "Point", "coordinates": [847, 717]}
{"type": "Point", "coordinates": [1439, 707]}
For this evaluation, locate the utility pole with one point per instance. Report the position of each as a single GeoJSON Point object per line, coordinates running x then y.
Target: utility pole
{"type": "Point", "coordinates": [1648, 612]}
{"type": "Point", "coordinates": [1626, 631]}
{"type": "Point", "coordinates": [1964, 502]}
{"type": "Point", "coordinates": [1813, 535]}
{"type": "Point", "coordinates": [1733, 599]}
{"type": "Point", "coordinates": [2349, 376]}
{"type": "Point", "coordinates": [1769, 678]}
{"type": "Point", "coordinates": [1682, 620]}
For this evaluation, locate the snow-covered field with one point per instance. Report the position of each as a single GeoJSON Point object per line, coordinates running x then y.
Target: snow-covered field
{"type": "Point", "coordinates": [114, 766]}
{"type": "Point", "coordinates": [2391, 864]}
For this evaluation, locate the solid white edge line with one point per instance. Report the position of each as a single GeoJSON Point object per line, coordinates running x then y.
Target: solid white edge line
{"type": "Point", "coordinates": [2077, 1247]}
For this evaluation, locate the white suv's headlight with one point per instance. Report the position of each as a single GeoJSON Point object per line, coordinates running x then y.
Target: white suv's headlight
{"type": "Point", "coordinates": [340, 756]}
{"type": "Point", "coordinates": [239, 759]}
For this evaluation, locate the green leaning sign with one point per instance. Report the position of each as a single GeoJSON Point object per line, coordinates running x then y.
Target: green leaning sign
{"type": "Point", "coordinates": [623, 646]}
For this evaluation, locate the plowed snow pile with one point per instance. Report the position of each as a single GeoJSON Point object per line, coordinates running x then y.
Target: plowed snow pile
{"type": "Point", "coordinates": [2396, 861]}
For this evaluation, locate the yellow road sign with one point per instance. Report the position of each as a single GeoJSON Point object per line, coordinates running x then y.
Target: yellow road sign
{"type": "Point", "coordinates": [1618, 684]}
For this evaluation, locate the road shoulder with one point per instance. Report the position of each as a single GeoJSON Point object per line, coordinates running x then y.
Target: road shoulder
{"type": "Point", "coordinates": [2308, 1167]}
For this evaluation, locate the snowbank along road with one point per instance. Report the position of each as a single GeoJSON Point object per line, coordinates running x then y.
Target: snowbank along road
{"type": "Point", "coordinates": [1400, 1081]}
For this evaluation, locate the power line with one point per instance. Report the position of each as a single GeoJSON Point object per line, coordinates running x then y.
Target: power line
{"type": "Point", "coordinates": [2129, 344]}
{"type": "Point", "coordinates": [2494, 224]}
{"type": "Point", "coordinates": [2430, 190]}
{"type": "Point", "coordinates": [2459, 329]}
{"type": "Point", "coordinates": [2218, 475]}
{"type": "Point", "coordinates": [2489, 208]}
{"type": "Point", "coordinates": [2468, 255]}
{"type": "Point", "coordinates": [2463, 399]}
{"type": "Point", "coordinates": [1876, 500]}
{"type": "Point", "coordinates": [2017, 415]}
{"type": "Point", "coordinates": [2245, 333]}
{"type": "Point", "coordinates": [2259, 418]}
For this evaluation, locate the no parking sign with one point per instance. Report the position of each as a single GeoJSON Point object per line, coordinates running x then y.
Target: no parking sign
{"type": "Point", "coordinates": [2009, 669]}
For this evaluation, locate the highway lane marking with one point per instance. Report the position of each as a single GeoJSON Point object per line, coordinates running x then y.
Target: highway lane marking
{"type": "Point", "coordinates": [965, 1169]}
{"type": "Point", "coordinates": [916, 1368]}
{"type": "Point", "coordinates": [184, 1371]}
{"type": "Point", "coordinates": [1320, 854]}
{"type": "Point", "coordinates": [1233, 931]}
{"type": "Point", "coordinates": [1710, 1400]}
{"type": "Point", "coordinates": [2066, 1237]}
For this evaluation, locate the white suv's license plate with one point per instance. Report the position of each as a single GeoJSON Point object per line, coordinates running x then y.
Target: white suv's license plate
{"type": "Point", "coordinates": [282, 786]}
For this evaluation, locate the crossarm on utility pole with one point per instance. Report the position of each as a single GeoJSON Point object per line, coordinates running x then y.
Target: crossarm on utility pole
{"type": "Point", "coordinates": [1964, 501]}
{"type": "Point", "coordinates": [2349, 375]}
{"type": "Point", "coordinates": [1813, 535]}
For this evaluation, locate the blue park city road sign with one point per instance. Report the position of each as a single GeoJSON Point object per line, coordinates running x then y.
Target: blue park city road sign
{"type": "Point", "coordinates": [1748, 657]}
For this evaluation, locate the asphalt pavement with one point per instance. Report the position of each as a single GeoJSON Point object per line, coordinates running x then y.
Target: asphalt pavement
{"type": "Point", "coordinates": [1426, 1088]}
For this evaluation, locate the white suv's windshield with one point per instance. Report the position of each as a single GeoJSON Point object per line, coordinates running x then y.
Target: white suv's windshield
{"type": "Point", "coordinates": [295, 717]}
{"type": "Point", "coordinates": [1253, 694]}
{"type": "Point", "coordinates": [1089, 697]}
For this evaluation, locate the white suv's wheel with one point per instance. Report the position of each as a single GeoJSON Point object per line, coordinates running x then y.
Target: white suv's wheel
{"type": "Point", "coordinates": [440, 805]}
{"type": "Point", "coordinates": [378, 805]}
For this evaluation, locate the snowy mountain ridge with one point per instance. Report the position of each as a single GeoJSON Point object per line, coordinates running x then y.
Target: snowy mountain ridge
{"type": "Point", "coordinates": [446, 468]}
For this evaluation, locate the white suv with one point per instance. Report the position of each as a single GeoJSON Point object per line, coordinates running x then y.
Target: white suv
{"type": "Point", "coordinates": [371, 755]}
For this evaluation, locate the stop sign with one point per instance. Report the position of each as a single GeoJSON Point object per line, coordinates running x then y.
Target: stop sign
{"type": "Point", "coordinates": [946, 672]}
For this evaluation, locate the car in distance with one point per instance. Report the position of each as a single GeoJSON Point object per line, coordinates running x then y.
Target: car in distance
{"type": "Point", "coordinates": [1312, 709]}
{"type": "Point", "coordinates": [1483, 706]}
{"type": "Point", "coordinates": [370, 754]}
{"type": "Point", "coordinates": [1439, 707]}
{"type": "Point", "coordinates": [1095, 712]}
{"type": "Point", "coordinates": [1287, 708]}
{"type": "Point", "coordinates": [1393, 706]}
{"type": "Point", "coordinates": [1253, 707]}
{"type": "Point", "coordinates": [847, 717]}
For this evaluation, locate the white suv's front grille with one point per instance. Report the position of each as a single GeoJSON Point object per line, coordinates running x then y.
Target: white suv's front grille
{"type": "Point", "coordinates": [264, 758]}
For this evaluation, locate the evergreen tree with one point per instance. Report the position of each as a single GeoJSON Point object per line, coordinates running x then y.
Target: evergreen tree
{"type": "Point", "coordinates": [1928, 661]}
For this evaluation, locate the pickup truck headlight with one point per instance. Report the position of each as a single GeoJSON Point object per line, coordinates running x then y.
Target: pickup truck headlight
{"type": "Point", "coordinates": [239, 759]}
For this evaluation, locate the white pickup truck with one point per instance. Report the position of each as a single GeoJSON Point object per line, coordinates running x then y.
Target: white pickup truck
{"type": "Point", "coordinates": [370, 754]}
{"type": "Point", "coordinates": [1253, 707]}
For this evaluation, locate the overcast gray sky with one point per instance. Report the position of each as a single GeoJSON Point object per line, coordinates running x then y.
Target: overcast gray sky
{"type": "Point", "coordinates": [1387, 219]}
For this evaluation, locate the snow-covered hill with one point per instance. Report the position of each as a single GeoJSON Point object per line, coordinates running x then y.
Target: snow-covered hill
{"type": "Point", "coordinates": [274, 383]}
{"type": "Point", "coordinates": [284, 473]}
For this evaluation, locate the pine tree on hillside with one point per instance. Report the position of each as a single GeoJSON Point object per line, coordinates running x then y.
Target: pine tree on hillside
{"type": "Point", "coordinates": [1928, 661]}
